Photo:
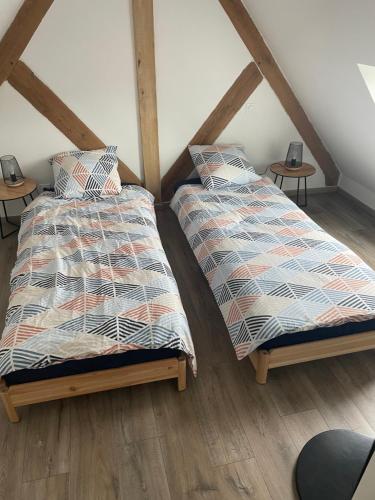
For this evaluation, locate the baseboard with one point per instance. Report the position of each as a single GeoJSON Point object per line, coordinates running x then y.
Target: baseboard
{"type": "Point", "coordinates": [161, 205]}
{"type": "Point", "coordinates": [358, 202]}
{"type": "Point", "coordinates": [316, 190]}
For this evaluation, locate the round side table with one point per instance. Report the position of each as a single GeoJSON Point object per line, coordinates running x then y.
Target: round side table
{"type": "Point", "coordinates": [306, 170]}
{"type": "Point", "coordinates": [14, 193]}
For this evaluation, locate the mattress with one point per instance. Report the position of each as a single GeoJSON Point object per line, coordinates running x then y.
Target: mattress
{"type": "Point", "coordinates": [273, 271]}
{"type": "Point", "coordinates": [98, 363]}
{"type": "Point", "coordinates": [91, 279]}
{"type": "Point", "coordinates": [329, 332]}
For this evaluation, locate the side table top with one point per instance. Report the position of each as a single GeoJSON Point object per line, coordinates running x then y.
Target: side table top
{"type": "Point", "coordinates": [13, 193]}
{"type": "Point", "coordinates": [306, 170]}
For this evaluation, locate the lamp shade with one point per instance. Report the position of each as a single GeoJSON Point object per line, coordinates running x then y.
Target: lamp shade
{"type": "Point", "coordinates": [12, 174]}
{"type": "Point", "coordinates": [294, 156]}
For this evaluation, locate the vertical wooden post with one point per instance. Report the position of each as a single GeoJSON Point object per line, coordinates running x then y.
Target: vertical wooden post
{"type": "Point", "coordinates": [143, 20]}
{"type": "Point", "coordinates": [7, 402]}
{"type": "Point", "coordinates": [181, 381]}
{"type": "Point", "coordinates": [262, 367]}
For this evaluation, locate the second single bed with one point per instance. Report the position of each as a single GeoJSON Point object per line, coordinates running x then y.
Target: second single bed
{"type": "Point", "coordinates": [288, 291]}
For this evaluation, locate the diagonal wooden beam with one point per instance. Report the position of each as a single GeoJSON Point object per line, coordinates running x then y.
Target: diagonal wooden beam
{"type": "Point", "coordinates": [58, 113]}
{"type": "Point", "coordinates": [220, 117]}
{"type": "Point", "coordinates": [253, 40]}
{"type": "Point", "coordinates": [143, 22]}
{"type": "Point", "coordinates": [19, 34]}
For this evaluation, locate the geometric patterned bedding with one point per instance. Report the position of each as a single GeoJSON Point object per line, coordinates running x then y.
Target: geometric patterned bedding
{"type": "Point", "coordinates": [91, 279]}
{"type": "Point", "coordinates": [272, 270]}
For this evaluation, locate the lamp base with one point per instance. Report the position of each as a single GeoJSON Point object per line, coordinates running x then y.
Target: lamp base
{"type": "Point", "coordinates": [17, 183]}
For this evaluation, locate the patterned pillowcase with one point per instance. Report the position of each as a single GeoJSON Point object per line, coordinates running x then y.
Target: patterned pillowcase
{"type": "Point", "coordinates": [86, 174]}
{"type": "Point", "coordinates": [222, 165]}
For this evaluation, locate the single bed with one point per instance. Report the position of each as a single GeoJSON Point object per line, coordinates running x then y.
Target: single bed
{"type": "Point", "coordinates": [288, 291]}
{"type": "Point", "coordinates": [94, 304]}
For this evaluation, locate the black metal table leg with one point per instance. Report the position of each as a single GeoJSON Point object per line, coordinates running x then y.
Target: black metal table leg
{"type": "Point", "coordinates": [298, 191]}
{"type": "Point", "coordinates": [276, 177]}
{"type": "Point", "coordinates": [7, 218]}
{"type": "Point", "coordinates": [302, 205]}
{"type": "Point", "coordinates": [8, 221]}
{"type": "Point", "coordinates": [282, 180]}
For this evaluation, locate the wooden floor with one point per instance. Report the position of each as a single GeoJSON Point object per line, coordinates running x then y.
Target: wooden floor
{"type": "Point", "coordinates": [225, 437]}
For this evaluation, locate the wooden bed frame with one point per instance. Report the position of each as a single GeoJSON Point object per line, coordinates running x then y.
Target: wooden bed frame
{"type": "Point", "coordinates": [263, 360]}
{"type": "Point", "coordinates": [90, 382]}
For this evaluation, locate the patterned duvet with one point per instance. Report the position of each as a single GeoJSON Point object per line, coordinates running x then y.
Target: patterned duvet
{"type": "Point", "coordinates": [91, 279]}
{"type": "Point", "coordinates": [272, 270]}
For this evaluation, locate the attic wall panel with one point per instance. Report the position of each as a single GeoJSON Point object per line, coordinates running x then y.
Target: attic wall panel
{"type": "Point", "coordinates": [91, 67]}
{"type": "Point", "coordinates": [84, 52]}
{"type": "Point", "coordinates": [19, 34]}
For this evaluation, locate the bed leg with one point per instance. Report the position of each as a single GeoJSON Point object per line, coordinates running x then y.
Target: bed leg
{"type": "Point", "coordinates": [7, 402]}
{"type": "Point", "coordinates": [181, 380]}
{"type": "Point", "coordinates": [261, 361]}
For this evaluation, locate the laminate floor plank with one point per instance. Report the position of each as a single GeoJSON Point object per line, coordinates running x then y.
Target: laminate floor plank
{"type": "Point", "coordinates": [356, 374]}
{"type": "Point", "coordinates": [50, 488]}
{"type": "Point", "coordinates": [266, 432]}
{"type": "Point", "coordinates": [134, 412]}
{"type": "Point", "coordinates": [287, 392]}
{"type": "Point", "coordinates": [94, 464]}
{"type": "Point", "coordinates": [142, 472]}
{"type": "Point", "coordinates": [222, 430]}
{"type": "Point", "coordinates": [185, 453]}
{"type": "Point", "coordinates": [47, 450]}
{"type": "Point", "coordinates": [242, 480]}
{"type": "Point", "coordinates": [304, 426]}
{"type": "Point", "coordinates": [13, 443]}
{"type": "Point", "coordinates": [330, 397]}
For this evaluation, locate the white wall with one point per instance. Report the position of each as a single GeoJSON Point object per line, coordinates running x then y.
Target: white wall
{"type": "Point", "coordinates": [84, 52]}
{"type": "Point", "coordinates": [319, 44]}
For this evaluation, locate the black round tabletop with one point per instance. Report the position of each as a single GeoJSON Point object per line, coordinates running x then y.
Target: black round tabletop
{"type": "Point", "coordinates": [331, 465]}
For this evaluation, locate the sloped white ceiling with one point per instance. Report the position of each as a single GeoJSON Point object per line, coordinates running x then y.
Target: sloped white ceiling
{"type": "Point", "coordinates": [319, 44]}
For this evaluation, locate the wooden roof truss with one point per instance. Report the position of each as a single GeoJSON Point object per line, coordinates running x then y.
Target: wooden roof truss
{"type": "Point", "coordinates": [16, 72]}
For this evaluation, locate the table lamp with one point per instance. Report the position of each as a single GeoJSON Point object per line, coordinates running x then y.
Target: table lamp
{"type": "Point", "coordinates": [12, 174]}
{"type": "Point", "coordinates": [294, 156]}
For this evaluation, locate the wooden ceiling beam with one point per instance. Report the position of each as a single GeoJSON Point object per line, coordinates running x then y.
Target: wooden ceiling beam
{"type": "Point", "coordinates": [58, 113]}
{"type": "Point", "coordinates": [253, 40]}
{"type": "Point", "coordinates": [143, 22]}
{"type": "Point", "coordinates": [220, 117]}
{"type": "Point", "coordinates": [19, 34]}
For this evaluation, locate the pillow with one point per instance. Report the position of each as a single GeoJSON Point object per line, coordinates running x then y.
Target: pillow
{"type": "Point", "coordinates": [222, 165]}
{"type": "Point", "coordinates": [86, 174]}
